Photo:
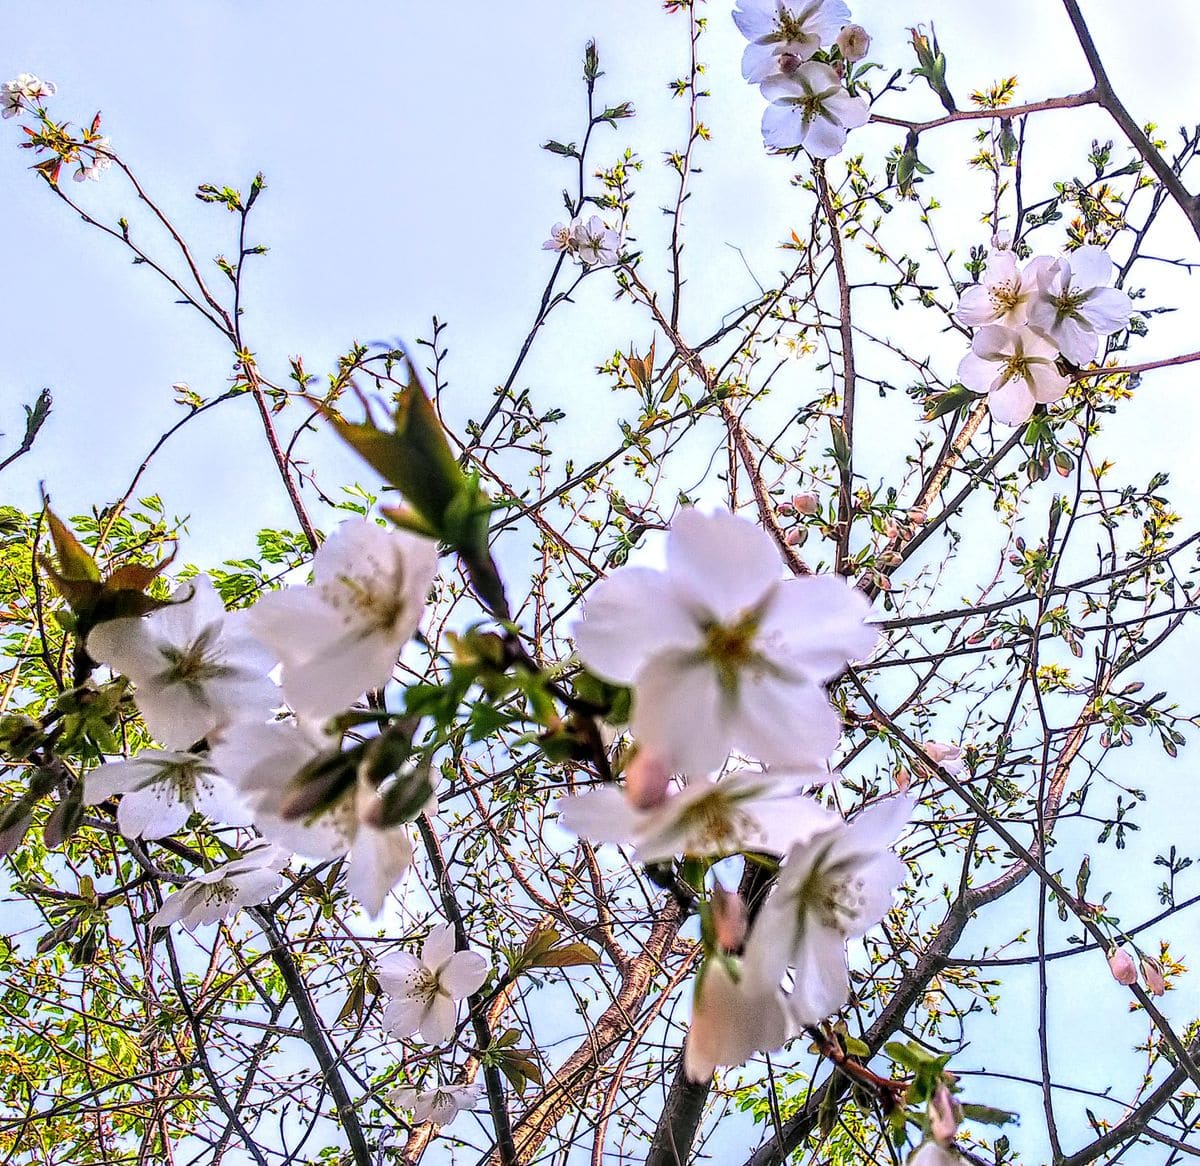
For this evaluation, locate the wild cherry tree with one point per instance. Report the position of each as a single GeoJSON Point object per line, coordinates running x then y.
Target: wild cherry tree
{"type": "Point", "coordinates": [761, 789]}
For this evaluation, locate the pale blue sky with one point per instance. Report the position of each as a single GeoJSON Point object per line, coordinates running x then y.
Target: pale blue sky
{"type": "Point", "coordinates": [401, 147]}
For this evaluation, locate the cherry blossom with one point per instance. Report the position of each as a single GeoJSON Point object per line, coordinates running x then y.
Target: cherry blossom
{"type": "Point", "coordinates": [1121, 964]}
{"type": "Point", "coordinates": [194, 664]}
{"type": "Point", "coordinates": [101, 161]}
{"type": "Point", "coordinates": [949, 757]}
{"type": "Point", "coordinates": [160, 791]}
{"type": "Point", "coordinates": [931, 1154]}
{"type": "Point", "coordinates": [833, 888]}
{"type": "Point", "coordinates": [1016, 369]}
{"type": "Point", "coordinates": [731, 1021]}
{"type": "Point", "coordinates": [810, 108]}
{"type": "Point", "coordinates": [794, 28]}
{"type": "Point", "coordinates": [1075, 307]}
{"type": "Point", "coordinates": [333, 814]}
{"type": "Point", "coordinates": [854, 42]}
{"type": "Point", "coordinates": [341, 636]}
{"type": "Point", "coordinates": [744, 811]}
{"type": "Point", "coordinates": [440, 1105]}
{"type": "Point", "coordinates": [562, 237]}
{"type": "Point", "coordinates": [723, 653]}
{"type": "Point", "coordinates": [25, 87]}
{"type": "Point", "coordinates": [1004, 294]}
{"type": "Point", "coordinates": [216, 894]}
{"type": "Point", "coordinates": [596, 243]}
{"type": "Point", "coordinates": [425, 992]}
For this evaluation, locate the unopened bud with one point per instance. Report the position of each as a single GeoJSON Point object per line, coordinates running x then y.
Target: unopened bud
{"type": "Point", "coordinates": [806, 503]}
{"type": "Point", "coordinates": [730, 918]}
{"type": "Point", "coordinates": [903, 779]}
{"type": "Point", "coordinates": [917, 516]}
{"type": "Point", "coordinates": [796, 537]}
{"type": "Point", "coordinates": [890, 558]}
{"type": "Point", "coordinates": [646, 781]}
{"type": "Point", "coordinates": [1152, 973]}
{"type": "Point", "coordinates": [854, 42]}
{"type": "Point", "coordinates": [944, 1115]}
{"type": "Point", "coordinates": [890, 528]}
{"type": "Point", "coordinates": [1120, 963]}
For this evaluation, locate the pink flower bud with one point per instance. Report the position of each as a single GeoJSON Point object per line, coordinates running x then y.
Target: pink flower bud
{"type": "Point", "coordinates": [796, 537]}
{"type": "Point", "coordinates": [854, 41]}
{"type": "Point", "coordinates": [1152, 973]}
{"type": "Point", "coordinates": [890, 559]}
{"type": "Point", "coordinates": [943, 1115]}
{"type": "Point", "coordinates": [917, 516]}
{"type": "Point", "coordinates": [730, 918]}
{"type": "Point", "coordinates": [902, 778]}
{"type": "Point", "coordinates": [646, 781]}
{"type": "Point", "coordinates": [806, 503]}
{"type": "Point", "coordinates": [890, 528]}
{"type": "Point", "coordinates": [1120, 963]}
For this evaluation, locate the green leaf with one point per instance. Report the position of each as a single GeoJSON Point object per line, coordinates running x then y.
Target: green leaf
{"type": "Point", "coordinates": [989, 1115]}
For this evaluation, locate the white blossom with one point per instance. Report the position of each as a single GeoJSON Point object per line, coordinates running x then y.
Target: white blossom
{"type": "Point", "coordinates": [216, 894]}
{"type": "Point", "coordinates": [794, 28]}
{"type": "Point", "coordinates": [194, 664]}
{"type": "Point", "coordinates": [595, 242]}
{"type": "Point", "coordinates": [562, 237]}
{"type": "Point", "coordinates": [25, 87]}
{"type": "Point", "coordinates": [1005, 292]}
{"type": "Point", "coordinates": [101, 161]}
{"type": "Point", "coordinates": [161, 790]}
{"type": "Point", "coordinates": [731, 1021]}
{"type": "Point", "coordinates": [833, 888]}
{"type": "Point", "coordinates": [341, 636]}
{"type": "Point", "coordinates": [722, 652]}
{"type": "Point", "coordinates": [949, 757]}
{"type": "Point", "coordinates": [1075, 307]}
{"type": "Point", "coordinates": [440, 1105]}
{"type": "Point", "coordinates": [262, 759]}
{"type": "Point", "coordinates": [744, 811]}
{"type": "Point", "coordinates": [810, 108]}
{"type": "Point", "coordinates": [931, 1154]}
{"type": "Point", "coordinates": [1017, 370]}
{"type": "Point", "coordinates": [425, 992]}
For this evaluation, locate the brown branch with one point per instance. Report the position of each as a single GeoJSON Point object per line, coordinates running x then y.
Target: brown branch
{"type": "Point", "coordinates": [1071, 101]}
{"type": "Point", "coordinates": [1107, 97]}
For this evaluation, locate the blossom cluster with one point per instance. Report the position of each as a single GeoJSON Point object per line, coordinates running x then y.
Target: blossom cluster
{"type": "Point", "coordinates": [590, 241]}
{"type": "Point", "coordinates": [797, 56]}
{"type": "Point", "coordinates": [1027, 317]}
{"type": "Point", "coordinates": [205, 685]}
{"type": "Point", "coordinates": [205, 676]}
{"type": "Point", "coordinates": [725, 656]}
{"type": "Point", "coordinates": [22, 91]}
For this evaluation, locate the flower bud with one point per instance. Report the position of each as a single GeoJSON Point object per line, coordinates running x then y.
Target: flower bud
{"type": "Point", "coordinates": [902, 778]}
{"type": "Point", "coordinates": [796, 537]}
{"type": "Point", "coordinates": [944, 1115]}
{"type": "Point", "coordinates": [917, 516]}
{"type": "Point", "coordinates": [1152, 973]}
{"type": "Point", "coordinates": [1120, 963]}
{"type": "Point", "coordinates": [806, 503]}
{"type": "Point", "coordinates": [788, 63]}
{"type": "Point", "coordinates": [854, 42]}
{"type": "Point", "coordinates": [730, 918]}
{"type": "Point", "coordinates": [646, 781]}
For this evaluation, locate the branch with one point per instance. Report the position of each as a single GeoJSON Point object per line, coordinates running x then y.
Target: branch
{"type": "Point", "coordinates": [1107, 97]}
